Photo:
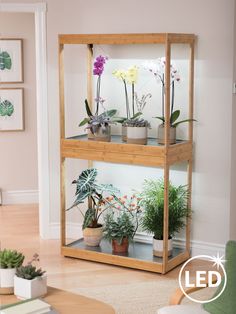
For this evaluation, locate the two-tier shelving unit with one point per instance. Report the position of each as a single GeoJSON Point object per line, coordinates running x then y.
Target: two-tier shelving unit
{"type": "Point", "coordinates": [140, 254]}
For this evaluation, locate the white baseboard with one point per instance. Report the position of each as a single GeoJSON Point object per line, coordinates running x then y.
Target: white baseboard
{"type": "Point", "coordinates": [74, 231]}
{"type": "Point", "coordinates": [20, 197]}
{"type": "Point", "coordinates": [197, 247]}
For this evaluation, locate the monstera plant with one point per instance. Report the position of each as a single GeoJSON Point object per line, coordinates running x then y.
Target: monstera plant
{"type": "Point", "coordinates": [6, 108]}
{"type": "Point", "coordinates": [5, 61]}
{"type": "Point", "coordinates": [99, 197]}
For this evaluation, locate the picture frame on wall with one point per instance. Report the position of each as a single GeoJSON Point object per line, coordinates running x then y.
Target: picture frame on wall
{"type": "Point", "coordinates": [11, 60]}
{"type": "Point", "coordinates": [11, 109]}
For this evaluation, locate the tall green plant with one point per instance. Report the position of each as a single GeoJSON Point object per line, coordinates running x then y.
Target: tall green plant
{"type": "Point", "coordinates": [153, 204]}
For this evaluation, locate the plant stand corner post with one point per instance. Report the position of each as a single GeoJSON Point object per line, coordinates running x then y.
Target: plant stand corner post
{"type": "Point", "coordinates": [166, 150]}
{"type": "Point", "coordinates": [90, 83]}
{"type": "Point", "coordinates": [190, 138]}
{"type": "Point", "coordinates": [62, 137]}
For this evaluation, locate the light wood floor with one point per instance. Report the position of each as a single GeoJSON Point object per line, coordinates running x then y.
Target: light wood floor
{"type": "Point", "coordinates": [19, 230]}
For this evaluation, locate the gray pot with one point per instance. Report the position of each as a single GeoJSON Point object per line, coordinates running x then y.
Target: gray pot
{"type": "Point", "coordinates": [124, 133]}
{"type": "Point", "coordinates": [137, 135]}
{"type": "Point", "coordinates": [161, 135]}
{"type": "Point", "coordinates": [102, 135]}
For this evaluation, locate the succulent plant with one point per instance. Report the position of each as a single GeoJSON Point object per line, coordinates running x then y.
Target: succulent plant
{"type": "Point", "coordinates": [10, 259]}
{"type": "Point", "coordinates": [29, 271]}
{"type": "Point", "coordinates": [137, 123]}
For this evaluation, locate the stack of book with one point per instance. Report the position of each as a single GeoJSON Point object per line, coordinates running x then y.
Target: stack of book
{"type": "Point", "coordinates": [35, 306]}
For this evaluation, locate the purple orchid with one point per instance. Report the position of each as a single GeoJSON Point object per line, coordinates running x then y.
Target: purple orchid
{"type": "Point", "coordinates": [99, 65]}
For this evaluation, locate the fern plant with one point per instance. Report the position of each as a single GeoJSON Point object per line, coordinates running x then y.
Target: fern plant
{"type": "Point", "coordinates": [152, 200]}
{"type": "Point", "coordinates": [29, 271]}
{"type": "Point", "coordinates": [88, 188]}
{"type": "Point", "coordinates": [11, 259]}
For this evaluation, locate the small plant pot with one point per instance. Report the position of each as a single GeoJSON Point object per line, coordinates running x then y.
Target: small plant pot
{"type": "Point", "coordinates": [137, 135]}
{"type": "Point", "coordinates": [28, 289]}
{"type": "Point", "coordinates": [93, 236]}
{"type": "Point", "coordinates": [7, 280]}
{"type": "Point", "coordinates": [102, 135]}
{"type": "Point", "coordinates": [120, 248]}
{"type": "Point", "coordinates": [161, 135]}
{"type": "Point", "coordinates": [124, 133]}
{"type": "Point", "coordinates": [158, 247]}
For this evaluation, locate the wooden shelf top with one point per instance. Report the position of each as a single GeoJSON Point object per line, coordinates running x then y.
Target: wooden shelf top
{"type": "Point", "coordinates": [126, 39]}
{"type": "Point", "coordinates": [118, 152]}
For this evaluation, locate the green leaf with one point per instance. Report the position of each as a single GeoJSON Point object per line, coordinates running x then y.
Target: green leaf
{"type": "Point", "coordinates": [6, 108]}
{"type": "Point", "coordinates": [160, 118]}
{"type": "Point", "coordinates": [88, 217]}
{"type": "Point", "coordinates": [86, 180]}
{"type": "Point", "coordinates": [136, 115]}
{"type": "Point", "coordinates": [5, 61]}
{"type": "Point", "coordinates": [111, 113]}
{"type": "Point", "coordinates": [182, 121]}
{"type": "Point", "coordinates": [89, 113]}
{"type": "Point", "coordinates": [174, 116]}
{"type": "Point", "coordinates": [84, 121]}
{"type": "Point", "coordinates": [119, 119]}
{"type": "Point", "coordinates": [109, 188]}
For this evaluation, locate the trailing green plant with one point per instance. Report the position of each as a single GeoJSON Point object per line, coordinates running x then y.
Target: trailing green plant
{"type": "Point", "coordinates": [152, 201]}
{"type": "Point", "coordinates": [88, 188]}
{"type": "Point", "coordinates": [122, 219]}
{"type": "Point", "coordinates": [11, 259]}
{"type": "Point", "coordinates": [29, 271]}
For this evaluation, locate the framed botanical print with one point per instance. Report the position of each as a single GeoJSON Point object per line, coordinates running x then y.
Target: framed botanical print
{"type": "Point", "coordinates": [11, 67]}
{"type": "Point", "coordinates": [11, 109]}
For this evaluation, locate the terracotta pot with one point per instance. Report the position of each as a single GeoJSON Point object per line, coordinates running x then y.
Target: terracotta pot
{"type": "Point", "coordinates": [120, 248]}
{"type": "Point", "coordinates": [161, 135]}
{"type": "Point", "coordinates": [102, 135]}
{"type": "Point", "coordinates": [92, 236]}
{"type": "Point", "coordinates": [137, 135]}
{"type": "Point", "coordinates": [158, 247]}
{"type": "Point", "coordinates": [124, 133]}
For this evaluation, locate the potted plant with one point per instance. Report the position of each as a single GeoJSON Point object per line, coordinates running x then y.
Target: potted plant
{"type": "Point", "coordinates": [88, 188]}
{"type": "Point", "coordinates": [9, 261]}
{"type": "Point", "coordinates": [121, 222]}
{"type": "Point", "coordinates": [134, 129]}
{"type": "Point", "coordinates": [30, 282]}
{"type": "Point", "coordinates": [99, 124]}
{"type": "Point", "coordinates": [152, 200]}
{"type": "Point", "coordinates": [158, 70]}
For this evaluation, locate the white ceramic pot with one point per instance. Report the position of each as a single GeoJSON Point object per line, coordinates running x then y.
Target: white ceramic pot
{"type": "Point", "coordinates": [161, 135]}
{"type": "Point", "coordinates": [137, 135]}
{"type": "Point", "coordinates": [7, 280]}
{"type": "Point", "coordinates": [102, 135]}
{"type": "Point", "coordinates": [158, 247]}
{"type": "Point", "coordinates": [93, 236]}
{"type": "Point", "coordinates": [28, 289]}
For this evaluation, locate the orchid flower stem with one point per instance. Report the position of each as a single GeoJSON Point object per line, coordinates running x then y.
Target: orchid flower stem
{"type": "Point", "coordinates": [98, 93]}
{"type": "Point", "coordinates": [133, 97]}
{"type": "Point", "coordinates": [172, 97]}
{"type": "Point", "coordinates": [127, 100]}
{"type": "Point", "coordinates": [163, 100]}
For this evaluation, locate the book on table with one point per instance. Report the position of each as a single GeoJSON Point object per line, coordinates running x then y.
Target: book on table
{"type": "Point", "coordinates": [35, 306]}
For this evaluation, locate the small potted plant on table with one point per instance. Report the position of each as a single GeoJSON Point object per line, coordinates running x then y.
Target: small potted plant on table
{"type": "Point", "coordinates": [30, 282]}
{"type": "Point", "coordinates": [121, 222]}
{"type": "Point", "coordinates": [9, 261]}
{"type": "Point", "coordinates": [99, 124]}
{"type": "Point", "coordinates": [88, 188]}
{"type": "Point", "coordinates": [134, 129]}
{"type": "Point", "coordinates": [152, 201]}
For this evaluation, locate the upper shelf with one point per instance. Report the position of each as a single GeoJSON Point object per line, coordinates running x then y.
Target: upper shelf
{"type": "Point", "coordinates": [118, 152]}
{"type": "Point", "coordinates": [123, 39]}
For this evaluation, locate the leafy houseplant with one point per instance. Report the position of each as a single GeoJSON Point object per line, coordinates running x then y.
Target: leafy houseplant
{"type": "Point", "coordinates": [30, 282]}
{"type": "Point", "coordinates": [9, 261]}
{"type": "Point", "coordinates": [134, 129]}
{"type": "Point", "coordinates": [88, 188]}
{"type": "Point", "coordinates": [158, 70]}
{"type": "Point", "coordinates": [121, 222]}
{"type": "Point", "coordinates": [98, 124]}
{"type": "Point", "coordinates": [153, 204]}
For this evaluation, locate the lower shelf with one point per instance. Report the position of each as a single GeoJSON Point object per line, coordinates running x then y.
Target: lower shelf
{"type": "Point", "coordinates": [139, 256]}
